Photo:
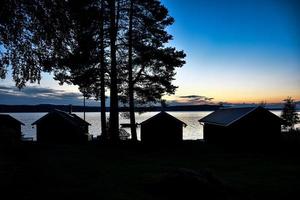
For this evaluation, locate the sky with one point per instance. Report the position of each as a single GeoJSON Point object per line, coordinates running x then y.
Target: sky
{"type": "Point", "coordinates": [238, 51]}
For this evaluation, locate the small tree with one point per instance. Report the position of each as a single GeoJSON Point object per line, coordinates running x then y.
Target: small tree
{"type": "Point", "coordinates": [289, 113]}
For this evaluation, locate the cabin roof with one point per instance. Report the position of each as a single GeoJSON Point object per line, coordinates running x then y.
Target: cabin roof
{"type": "Point", "coordinates": [6, 117]}
{"type": "Point", "coordinates": [161, 116]}
{"type": "Point", "coordinates": [227, 116]}
{"type": "Point", "coordinates": [72, 118]}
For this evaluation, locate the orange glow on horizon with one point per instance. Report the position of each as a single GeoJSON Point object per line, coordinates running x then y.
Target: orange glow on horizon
{"type": "Point", "coordinates": [236, 98]}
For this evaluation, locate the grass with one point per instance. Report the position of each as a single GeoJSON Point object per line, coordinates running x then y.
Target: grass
{"type": "Point", "coordinates": [129, 172]}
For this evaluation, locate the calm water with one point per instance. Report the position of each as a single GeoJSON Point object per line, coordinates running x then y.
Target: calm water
{"type": "Point", "coordinates": [192, 132]}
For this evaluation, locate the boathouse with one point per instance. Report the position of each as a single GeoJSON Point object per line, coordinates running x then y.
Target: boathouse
{"type": "Point", "coordinates": [251, 125]}
{"type": "Point", "coordinates": [61, 127]}
{"type": "Point", "coordinates": [162, 128]}
{"type": "Point", "coordinates": [10, 129]}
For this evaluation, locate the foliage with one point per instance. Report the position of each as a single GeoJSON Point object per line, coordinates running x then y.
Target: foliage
{"type": "Point", "coordinates": [89, 43]}
{"type": "Point", "coordinates": [123, 134]}
{"type": "Point", "coordinates": [289, 113]}
{"type": "Point", "coordinates": [153, 63]}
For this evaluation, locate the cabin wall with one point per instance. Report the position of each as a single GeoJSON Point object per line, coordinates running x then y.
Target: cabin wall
{"type": "Point", "coordinates": [258, 128]}
{"type": "Point", "coordinates": [54, 130]}
{"type": "Point", "coordinates": [11, 125]}
{"type": "Point", "coordinates": [215, 134]}
{"type": "Point", "coordinates": [161, 132]}
{"type": "Point", "coordinates": [10, 132]}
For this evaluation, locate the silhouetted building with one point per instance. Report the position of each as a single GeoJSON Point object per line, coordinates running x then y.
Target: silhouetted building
{"type": "Point", "coordinates": [61, 127]}
{"type": "Point", "coordinates": [162, 128]}
{"type": "Point", "coordinates": [10, 129]}
{"type": "Point", "coordinates": [242, 126]}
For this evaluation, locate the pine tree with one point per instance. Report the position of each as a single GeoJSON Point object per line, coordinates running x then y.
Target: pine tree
{"type": "Point", "coordinates": [102, 72]}
{"type": "Point", "coordinates": [289, 113]}
{"type": "Point", "coordinates": [130, 76]}
{"type": "Point", "coordinates": [151, 65]}
{"type": "Point", "coordinates": [113, 31]}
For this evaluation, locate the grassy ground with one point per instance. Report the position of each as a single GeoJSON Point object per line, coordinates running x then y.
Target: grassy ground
{"type": "Point", "coordinates": [130, 172]}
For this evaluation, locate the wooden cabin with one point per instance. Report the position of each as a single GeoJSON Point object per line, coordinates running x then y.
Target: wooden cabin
{"type": "Point", "coordinates": [62, 128]}
{"type": "Point", "coordinates": [10, 130]}
{"type": "Point", "coordinates": [162, 128]}
{"type": "Point", "coordinates": [242, 126]}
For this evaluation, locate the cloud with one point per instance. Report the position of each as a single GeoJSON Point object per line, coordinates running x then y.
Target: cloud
{"type": "Point", "coordinates": [191, 100]}
{"type": "Point", "coordinates": [190, 96]}
{"type": "Point", "coordinates": [40, 95]}
{"type": "Point", "coordinates": [196, 97]}
{"type": "Point", "coordinates": [38, 92]}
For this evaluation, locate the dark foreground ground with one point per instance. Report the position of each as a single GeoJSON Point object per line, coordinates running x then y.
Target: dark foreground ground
{"type": "Point", "coordinates": [133, 172]}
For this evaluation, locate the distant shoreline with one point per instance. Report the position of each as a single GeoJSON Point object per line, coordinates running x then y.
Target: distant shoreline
{"type": "Point", "coordinates": [49, 107]}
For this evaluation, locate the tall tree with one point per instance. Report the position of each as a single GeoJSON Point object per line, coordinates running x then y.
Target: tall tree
{"type": "Point", "coordinates": [89, 69]}
{"type": "Point", "coordinates": [130, 76]}
{"type": "Point", "coordinates": [92, 78]}
{"type": "Point", "coordinates": [114, 113]}
{"type": "Point", "coordinates": [66, 37]}
{"type": "Point", "coordinates": [102, 73]}
{"type": "Point", "coordinates": [151, 65]}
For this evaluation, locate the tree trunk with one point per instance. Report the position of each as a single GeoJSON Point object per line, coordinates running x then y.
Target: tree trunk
{"type": "Point", "coordinates": [130, 78]}
{"type": "Point", "coordinates": [102, 76]}
{"type": "Point", "coordinates": [114, 113]}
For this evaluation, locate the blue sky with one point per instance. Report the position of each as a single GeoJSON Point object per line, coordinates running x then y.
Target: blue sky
{"type": "Point", "coordinates": [237, 51]}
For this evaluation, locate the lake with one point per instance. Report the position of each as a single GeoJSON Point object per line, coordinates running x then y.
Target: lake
{"type": "Point", "coordinates": [193, 130]}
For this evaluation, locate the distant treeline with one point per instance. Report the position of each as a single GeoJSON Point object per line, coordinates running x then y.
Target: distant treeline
{"type": "Point", "coordinates": [48, 108]}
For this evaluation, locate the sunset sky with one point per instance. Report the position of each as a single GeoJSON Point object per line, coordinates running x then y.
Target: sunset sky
{"type": "Point", "coordinates": [237, 51]}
